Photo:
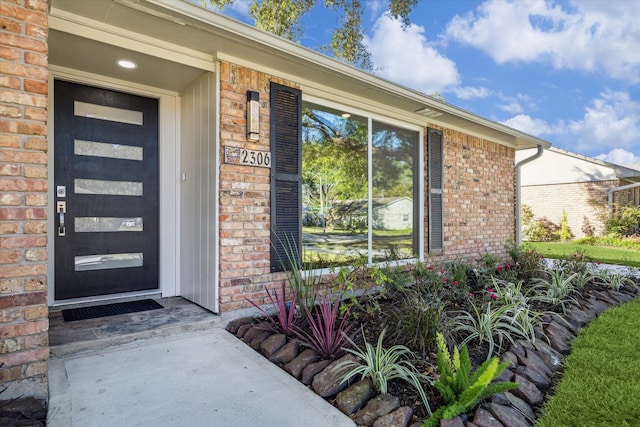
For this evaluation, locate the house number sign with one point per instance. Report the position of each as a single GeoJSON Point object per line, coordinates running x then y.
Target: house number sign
{"type": "Point", "coordinates": [241, 156]}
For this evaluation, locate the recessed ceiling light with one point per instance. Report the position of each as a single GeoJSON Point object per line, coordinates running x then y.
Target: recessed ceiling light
{"type": "Point", "coordinates": [428, 112]}
{"type": "Point", "coordinates": [124, 63]}
{"type": "Point", "coordinates": [346, 115]}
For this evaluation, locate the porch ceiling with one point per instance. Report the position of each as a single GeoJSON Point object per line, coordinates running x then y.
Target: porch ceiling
{"type": "Point", "coordinates": [79, 53]}
{"type": "Point", "coordinates": [174, 40]}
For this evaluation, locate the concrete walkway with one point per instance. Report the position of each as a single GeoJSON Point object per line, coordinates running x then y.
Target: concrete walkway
{"type": "Point", "coordinates": [199, 379]}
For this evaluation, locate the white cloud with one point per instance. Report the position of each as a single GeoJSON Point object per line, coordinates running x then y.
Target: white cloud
{"type": "Point", "coordinates": [593, 36]}
{"type": "Point", "coordinates": [511, 108]}
{"type": "Point", "coordinates": [471, 92]}
{"type": "Point", "coordinates": [406, 57]}
{"type": "Point", "coordinates": [612, 120]}
{"type": "Point", "coordinates": [536, 127]}
{"type": "Point", "coordinates": [619, 156]}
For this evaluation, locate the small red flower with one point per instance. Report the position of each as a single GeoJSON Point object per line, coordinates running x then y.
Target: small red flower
{"type": "Point", "coordinates": [455, 283]}
{"type": "Point", "coordinates": [490, 290]}
{"type": "Point", "coordinates": [499, 268]}
{"type": "Point", "coordinates": [430, 267]}
{"type": "Point", "coordinates": [470, 295]}
{"type": "Point", "coordinates": [494, 296]}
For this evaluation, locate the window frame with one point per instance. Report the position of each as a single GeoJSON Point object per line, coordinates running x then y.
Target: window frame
{"type": "Point", "coordinates": [418, 169]}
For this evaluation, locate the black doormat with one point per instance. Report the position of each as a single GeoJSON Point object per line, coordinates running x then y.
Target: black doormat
{"type": "Point", "coordinates": [109, 310]}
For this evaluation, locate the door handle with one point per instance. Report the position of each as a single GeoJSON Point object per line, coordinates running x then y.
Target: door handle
{"type": "Point", "coordinates": [61, 208]}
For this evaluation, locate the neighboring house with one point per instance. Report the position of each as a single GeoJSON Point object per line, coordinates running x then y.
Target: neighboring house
{"type": "Point", "coordinates": [173, 177]}
{"type": "Point", "coordinates": [560, 181]}
{"type": "Point", "coordinates": [389, 213]}
{"type": "Point", "coordinates": [392, 213]}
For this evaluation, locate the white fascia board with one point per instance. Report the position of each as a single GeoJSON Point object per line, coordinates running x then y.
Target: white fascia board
{"type": "Point", "coordinates": [317, 93]}
{"type": "Point", "coordinates": [331, 95]}
{"type": "Point", "coordinates": [108, 34]}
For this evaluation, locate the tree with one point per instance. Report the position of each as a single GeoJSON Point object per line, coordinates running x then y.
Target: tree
{"type": "Point", "coordinates": [282, 18]}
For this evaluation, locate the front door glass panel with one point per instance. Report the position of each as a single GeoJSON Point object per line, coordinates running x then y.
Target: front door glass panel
{"type": "Point", "coordinates": [102, 149]}
{"type": "Point", "coordinates": [103, 112]}
{"type": "Point", "coordinates": [110, 188]}
{"type": "Point", "coordinates": [97, 224]}
{"type": "Point", "coordinates": [108, 261]}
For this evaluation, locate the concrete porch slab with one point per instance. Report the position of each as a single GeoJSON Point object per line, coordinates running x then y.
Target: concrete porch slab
{"type": "Point", "coordinates": [196, 379]}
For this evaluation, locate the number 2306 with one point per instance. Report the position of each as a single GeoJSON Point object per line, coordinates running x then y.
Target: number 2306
{"type": "Point", "coordinates": [255, 158]}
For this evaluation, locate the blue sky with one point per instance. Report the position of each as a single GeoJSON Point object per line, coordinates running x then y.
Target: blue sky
{"type": "Point", "coordinates": [565, 71]}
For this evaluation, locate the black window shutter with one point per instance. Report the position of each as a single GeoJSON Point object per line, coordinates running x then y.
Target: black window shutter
{"type": "Point", "coordinates": [286, 176]}
{"type": "Point", "coordinates": [436, 203]}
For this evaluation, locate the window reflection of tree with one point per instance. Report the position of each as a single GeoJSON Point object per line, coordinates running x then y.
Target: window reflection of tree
{"type": "Point", "coordinates": [334, 163]}
{"type": "Point", "coordinates": [335, 181]}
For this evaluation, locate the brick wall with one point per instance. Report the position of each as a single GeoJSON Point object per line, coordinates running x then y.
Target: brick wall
{"type": "Point", "coordinates": [579, 200]}
{"type": "Point", "coordinates": [23, 198]}
{"type": "Point", "coordinates": [244, 194]}
{"type": "Point", "coordinates": [479, 197]}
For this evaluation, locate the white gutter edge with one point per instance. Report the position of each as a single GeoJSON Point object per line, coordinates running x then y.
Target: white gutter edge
{"type": "Point", "coordinates": [518, 167]}
{"type": "Point", "coordinates": [613, 190]}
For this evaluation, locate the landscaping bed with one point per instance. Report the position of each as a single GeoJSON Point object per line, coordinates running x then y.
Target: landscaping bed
{"type": "Point", "coordinates": [411, 308]}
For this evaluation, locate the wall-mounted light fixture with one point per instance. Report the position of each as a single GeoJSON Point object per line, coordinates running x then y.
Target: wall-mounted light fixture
{"type": "Point", "coordinates": [253, 115]}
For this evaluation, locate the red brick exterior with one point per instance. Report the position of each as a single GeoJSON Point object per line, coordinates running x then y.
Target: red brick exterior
{"type": "Point", "coordinates": [24, 347]}
{"type": "Point", "coordinates": [479, 197]}
{"type": "Point", "coordinates": [244, 193]}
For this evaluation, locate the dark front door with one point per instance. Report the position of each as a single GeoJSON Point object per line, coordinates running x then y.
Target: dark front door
{"type": "Point", "coordinates": [106, 191]}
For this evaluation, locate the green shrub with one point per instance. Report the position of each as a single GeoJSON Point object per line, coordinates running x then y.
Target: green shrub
{"type": "Point", "coordinates": [489, 261]}
{"type": "Point", "coordinates": [538, 229]}
{"type": "Point", "coordinates": [528, 262]}
{"type": "Point", "coordinates": [565, 232]}
{"type": "Point", "coordinates": [461, 389]}
{"type": "Point", "coordinates": [587, 240]}
{"type": "Point", "coordinates": [415, 320]}
{"type": "Point", "coordinates": [588, 229]}
{"type": "Point", "coordinates": [625, 222]}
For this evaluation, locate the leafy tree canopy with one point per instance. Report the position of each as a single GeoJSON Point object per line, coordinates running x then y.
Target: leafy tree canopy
{"type": "Point", "coordinates": [282, 17]}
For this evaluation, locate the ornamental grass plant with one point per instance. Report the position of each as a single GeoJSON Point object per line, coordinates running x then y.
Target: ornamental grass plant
{"type": "Point", "coordinates": [383, 365]}
{"type": "Point", "coordinates": [480, 309]}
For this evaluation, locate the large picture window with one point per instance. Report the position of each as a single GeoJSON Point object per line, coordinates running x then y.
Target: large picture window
{"type": "Point", "coordinates": [359, 188]}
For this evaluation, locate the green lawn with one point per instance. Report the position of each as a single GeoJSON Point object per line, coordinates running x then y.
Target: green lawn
{"type": "Point", "coordinates": [603, 254]}
{"type": "Point", "coordinates": [600, 386]}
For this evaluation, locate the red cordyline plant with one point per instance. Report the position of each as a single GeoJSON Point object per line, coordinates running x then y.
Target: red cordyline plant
{"type": "Point", "coordinates": [284, 313]}
{"type": "Point", "coordinates": [328, 331]}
